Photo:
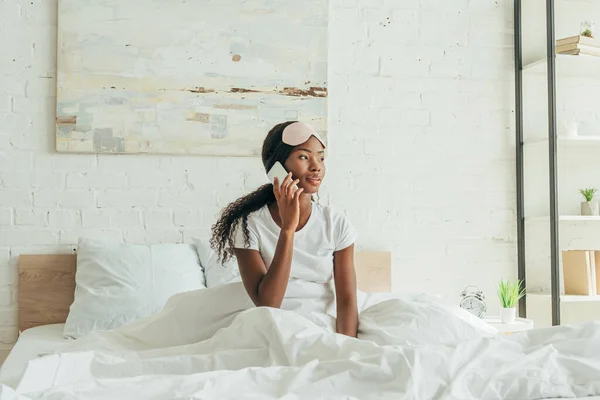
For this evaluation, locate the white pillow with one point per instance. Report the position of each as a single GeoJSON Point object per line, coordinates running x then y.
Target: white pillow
{"type": "Point", "coordinates": [215, 272]}
{"type": "Point", "coordinates": [118, 283]}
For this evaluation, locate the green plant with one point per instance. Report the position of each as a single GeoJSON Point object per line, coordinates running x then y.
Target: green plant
{"type": "Point", "coordinates": [510, 293]}
{"type": "Point", "coordinates": [588, 193]}
{"type": "Point", "coordinates": [587, 33]}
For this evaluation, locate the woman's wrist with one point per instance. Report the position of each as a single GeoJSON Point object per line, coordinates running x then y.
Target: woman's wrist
{"type": "Point", "coordinates": [288, 232]}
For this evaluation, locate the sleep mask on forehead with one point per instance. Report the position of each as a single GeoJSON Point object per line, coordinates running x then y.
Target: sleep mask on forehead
{"type": "Point", "coordinates": [298, 133]}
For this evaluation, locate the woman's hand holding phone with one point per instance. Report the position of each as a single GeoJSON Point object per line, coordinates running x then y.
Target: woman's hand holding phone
{"type": "Point", "coordinates": [288, 201]}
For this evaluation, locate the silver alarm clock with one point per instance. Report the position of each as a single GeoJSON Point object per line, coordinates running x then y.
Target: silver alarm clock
{"type": "Point", "coordinates": [472, 301]}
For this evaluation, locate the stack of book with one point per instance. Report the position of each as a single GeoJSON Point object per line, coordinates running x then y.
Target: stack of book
{"type": "Point", "coordinates": [581, 272]}
{"type": "Point", "coordinates": [577, 45]}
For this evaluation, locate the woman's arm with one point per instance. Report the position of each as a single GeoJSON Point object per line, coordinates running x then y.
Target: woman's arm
{"type": "Point", "coordinates": [345, 288]}
{"type": "Point", "coordinates": [266, 287]}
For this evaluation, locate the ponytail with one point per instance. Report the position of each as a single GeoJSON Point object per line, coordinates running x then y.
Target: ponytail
{"type": "Point", "coordinates": [224, 230]}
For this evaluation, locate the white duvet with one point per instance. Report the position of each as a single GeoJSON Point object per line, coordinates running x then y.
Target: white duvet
{"type": "Point", "coordinates": [212, 344]}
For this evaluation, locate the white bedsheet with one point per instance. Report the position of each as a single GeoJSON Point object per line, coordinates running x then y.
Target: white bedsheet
{"type": "Point", "coordinates": [411, 347]}
{"type": "Point", "coordinates": [31, 344]}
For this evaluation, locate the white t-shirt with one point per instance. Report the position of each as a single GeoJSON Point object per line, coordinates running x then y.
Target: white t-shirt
{"type": "Point", "coordinates": [311, 275]}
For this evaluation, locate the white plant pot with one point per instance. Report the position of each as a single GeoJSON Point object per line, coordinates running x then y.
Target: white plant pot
{"type": "Point", "coordinates": [507, 315]}
{"type": "Point", "coordinates": [589, 208]}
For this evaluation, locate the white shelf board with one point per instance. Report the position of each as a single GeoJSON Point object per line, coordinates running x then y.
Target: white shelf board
{"type": "Point", "coordinates": [569, 298]}
{"type": "Point", "coordinates": [573, 309]}
{"type": "Point", "coordinates": [567, 141]}
{"type": "Point", "coordinates": [573, 218]}
{"type": "Point", "coordinates": [570, 65]}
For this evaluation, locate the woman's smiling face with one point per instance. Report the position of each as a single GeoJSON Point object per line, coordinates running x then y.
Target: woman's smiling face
{"type": "Point", "coordinates": [307, 163]}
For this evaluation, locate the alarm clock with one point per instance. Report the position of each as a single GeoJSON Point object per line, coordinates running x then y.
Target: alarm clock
{"type": "Point", "coordinates": [472, 301]}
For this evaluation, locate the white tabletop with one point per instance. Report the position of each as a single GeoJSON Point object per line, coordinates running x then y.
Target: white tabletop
{"type": "Point", "coordinates": [520, 324]}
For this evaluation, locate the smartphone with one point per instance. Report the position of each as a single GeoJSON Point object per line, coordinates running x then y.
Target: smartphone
{"type": "Point", "coordinates": [279, 172]}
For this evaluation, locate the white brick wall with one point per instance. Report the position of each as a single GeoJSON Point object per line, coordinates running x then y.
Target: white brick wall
{"type": "Point", "coordinates": [421, 124]}
{"type": "Point", "coordinates": [421, 156]}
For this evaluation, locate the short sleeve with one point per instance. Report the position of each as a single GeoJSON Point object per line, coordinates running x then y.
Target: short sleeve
{"type": "Point", "coordinates": [345, 233]}
{"type": "Point", "coordinates": [239, 240]}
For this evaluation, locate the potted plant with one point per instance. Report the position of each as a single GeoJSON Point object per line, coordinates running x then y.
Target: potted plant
{"type": "Point", "coordinates": [589, 206]}
{"type": "Point", "coordinates": [587, 28]}
{"type": "Point", "coordinates": [509, 295]}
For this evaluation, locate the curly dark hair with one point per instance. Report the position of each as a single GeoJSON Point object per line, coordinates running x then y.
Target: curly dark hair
{"type": "Point", "coordinates": [223, 231]}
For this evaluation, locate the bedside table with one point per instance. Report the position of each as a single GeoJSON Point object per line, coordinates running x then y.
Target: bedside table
{"type": "Point", "coordinates": [519, 324]}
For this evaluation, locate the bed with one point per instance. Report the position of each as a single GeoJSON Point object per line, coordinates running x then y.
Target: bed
{"type": "Point", "coordinates": [410, 345]}
{"type": "Point", "coordinates": [46, 288]}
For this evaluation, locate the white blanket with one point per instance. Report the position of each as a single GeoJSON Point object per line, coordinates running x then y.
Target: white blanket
{"type": "Point", "coordinates": [213, 344]}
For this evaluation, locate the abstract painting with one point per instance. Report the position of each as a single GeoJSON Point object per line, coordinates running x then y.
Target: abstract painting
{"type": "Point", "coordinates": [207, 77]}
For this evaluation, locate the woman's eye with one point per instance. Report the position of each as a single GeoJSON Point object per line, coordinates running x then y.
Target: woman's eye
{"type": "Point", "coordinates": [303, 157]}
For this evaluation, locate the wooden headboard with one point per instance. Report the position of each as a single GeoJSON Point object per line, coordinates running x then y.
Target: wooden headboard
{"type": "Point", "coordinates": [47, 284]}
{"type": "Point", "coordinates": [46, 288]}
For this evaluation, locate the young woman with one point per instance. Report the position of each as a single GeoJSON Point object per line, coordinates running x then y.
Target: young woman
{"type": "Point", "coordinates": [292, 252]}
